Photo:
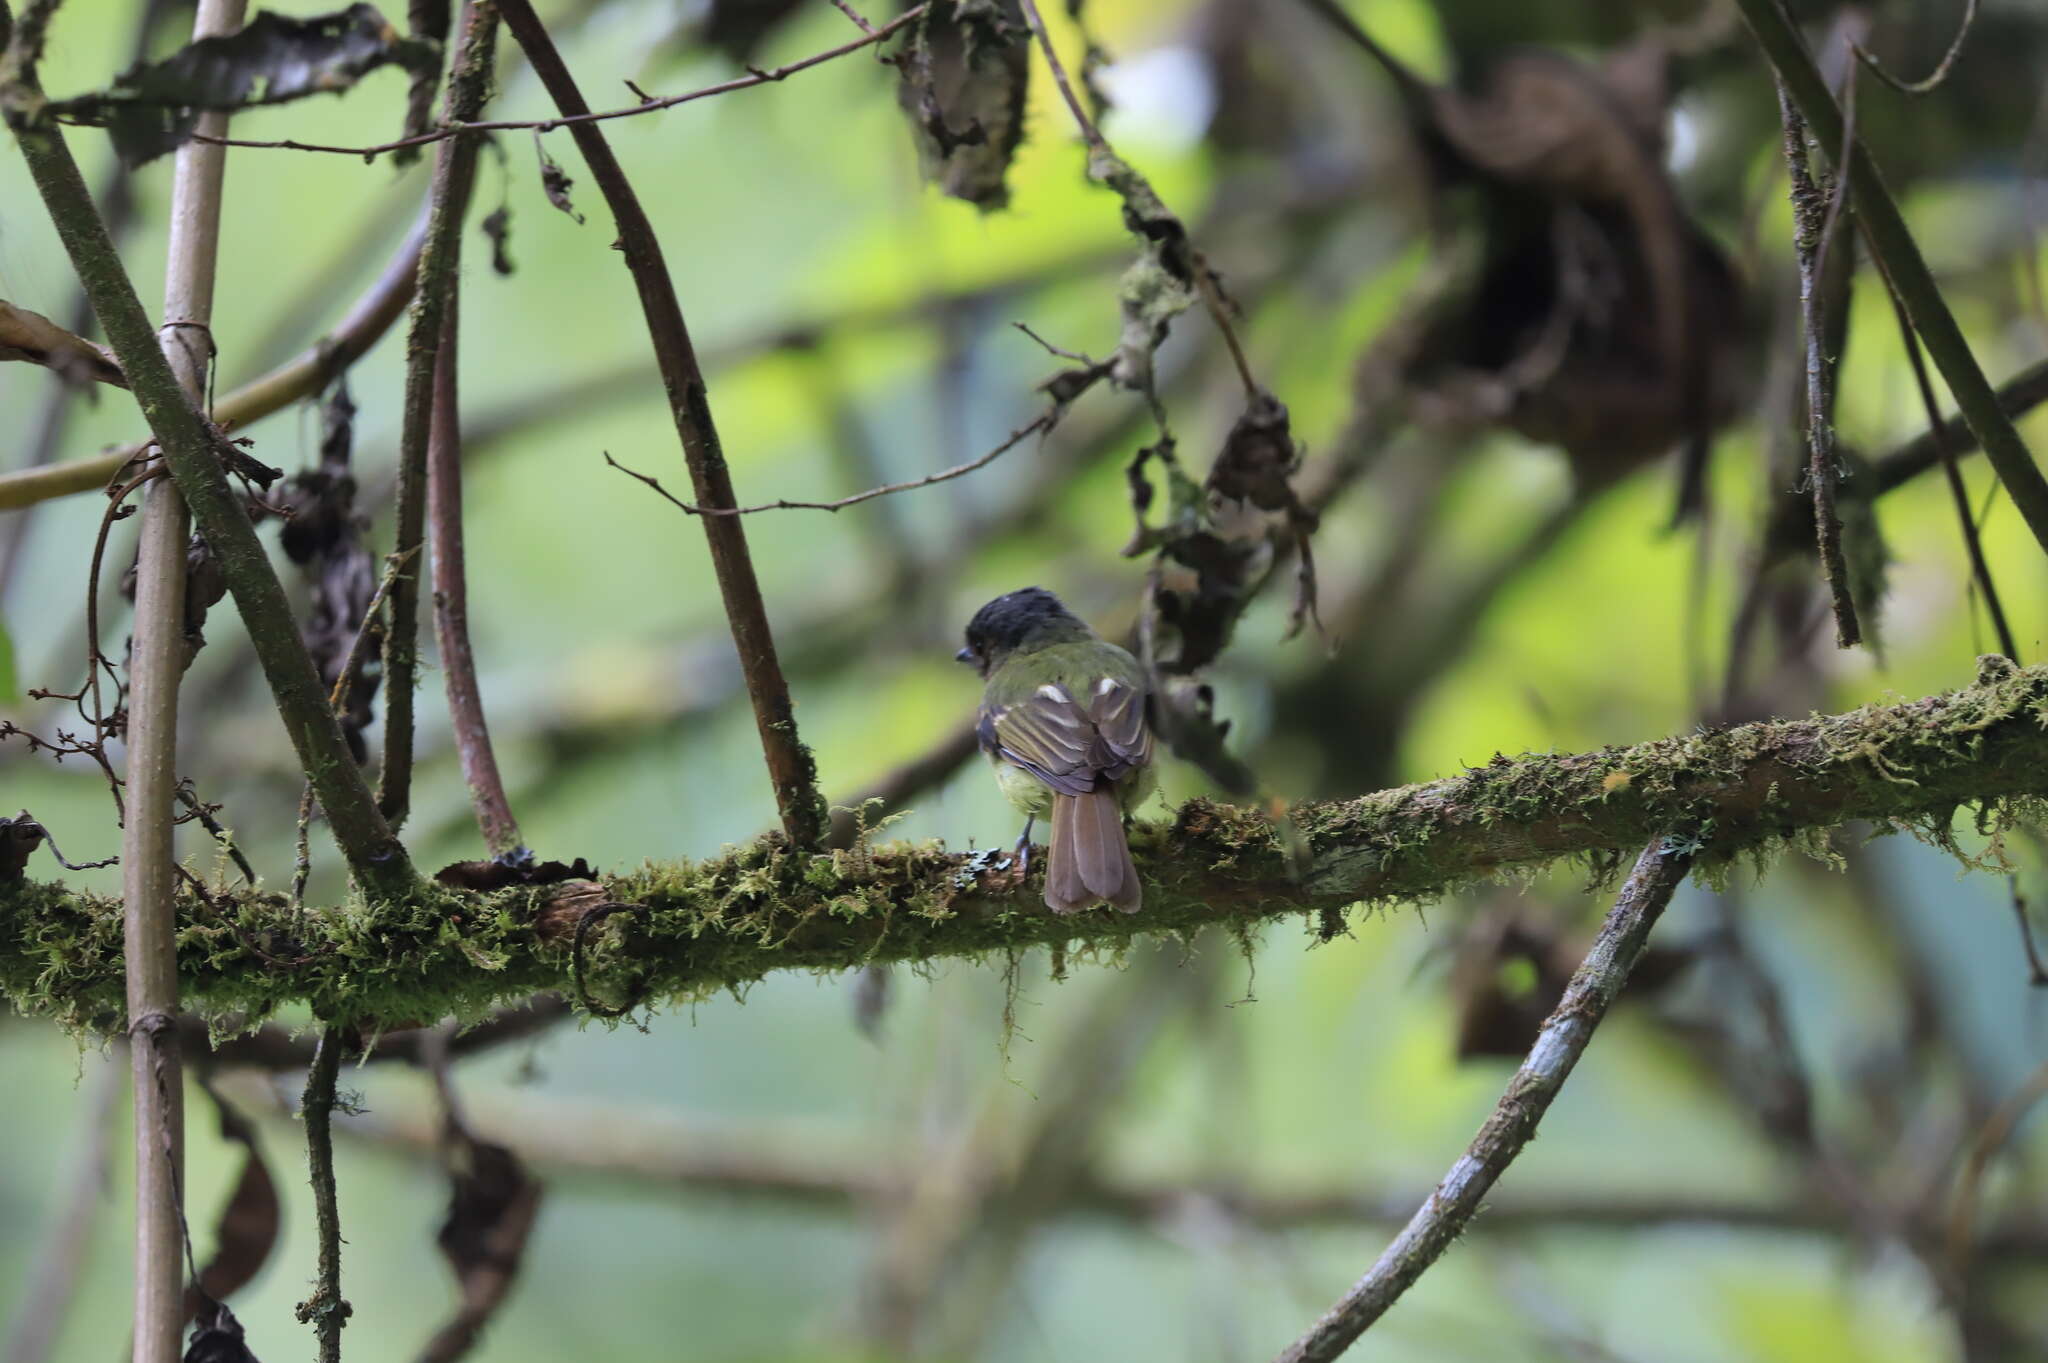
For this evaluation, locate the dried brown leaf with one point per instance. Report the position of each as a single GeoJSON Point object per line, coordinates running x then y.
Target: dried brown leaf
{"type": "Point", "coordinates": [30, 336]}
{"type": "Point", "coordinates": [491, 1209]}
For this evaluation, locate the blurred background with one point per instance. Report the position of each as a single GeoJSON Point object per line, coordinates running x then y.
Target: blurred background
{"type": "Point", "coordinates": [1805, 1135]}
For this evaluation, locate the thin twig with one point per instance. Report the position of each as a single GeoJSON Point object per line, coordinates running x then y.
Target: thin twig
{"type": "Point", "coordinates": [326, 1309]}
{"type": "Point", "coordinates": [451, 605]}
{"type": "Point", "coordinates": [1659, 871]}
{"type": "Point", "coordinates": [2037, 970]}
{"type": "Point", "coordinates": [313, 369]}
{"type": "Point", "coordinates": [1205, 283]}
{"type": "Point", "coordinates": [1037, 426]}
{"type": "Point", "coordinates": [469, 85]}
{"type": "Point", "coordinates": [1891, 241]}
{"type": "Point", "coordinates": [2017, 396]}
{"type": "Point", "coordinates": [791, 769]}
{"type": "Point", "coordinates": [1973, 544]}
{"type": "Point", "coordinates": [1941, 71]}
{"type": "Point", "coordinates": [1813, 218]}
{"type": "Point", "coordinates": [463, 130]}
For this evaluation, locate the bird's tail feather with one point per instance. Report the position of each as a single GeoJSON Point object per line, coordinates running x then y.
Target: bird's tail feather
{"type": "Point", "coordinates": [1091, 858]}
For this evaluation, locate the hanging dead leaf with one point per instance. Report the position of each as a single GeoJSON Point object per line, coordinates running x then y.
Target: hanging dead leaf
{"type": "Point", "coordinates": [491, 1209]}
{"type": "Point", "coordinates": [497, 225]}
{"type": "Point", "coordinates": [245, 1233]}
{"type": "Point", "coordinates": [554, 181]}
{"type": "Point", "coordinates": [30, 336]}
{"type": "Point", "coordinates": [963, 79]}
{"type": "Point", "coordinates": [154, 107]}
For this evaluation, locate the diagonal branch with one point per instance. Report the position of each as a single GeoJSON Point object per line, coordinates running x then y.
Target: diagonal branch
{"type": "Point", "coordinates": [791, 768]}
{"type": "Point", "coordinates": [683, 930]}
{"type": "Point", "coordinates": [190, 451]}
{"type": "Point", "coordinates": [1658, 872]}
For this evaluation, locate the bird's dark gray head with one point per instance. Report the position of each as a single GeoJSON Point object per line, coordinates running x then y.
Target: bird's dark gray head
{"type": "Point", "coordinates": [1031, 615]}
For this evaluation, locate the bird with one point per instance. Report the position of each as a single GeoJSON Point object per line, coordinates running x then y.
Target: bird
{"type": "Point", "coordinates": [1062, 720]}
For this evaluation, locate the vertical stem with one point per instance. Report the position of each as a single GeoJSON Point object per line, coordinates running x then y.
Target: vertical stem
{"type": "Point", "coordinates": [148, 859]}
{"type": "Point", "coordinates": [791, 769]}
{"type": "Point", "coordinates": [1810, 222]}
{"type": "Point", "coordinates": [326, 1308]}
{"type": "Point", "coordinates": [469, 85]}
{"type": "Point", "coordinates": [451, 603]}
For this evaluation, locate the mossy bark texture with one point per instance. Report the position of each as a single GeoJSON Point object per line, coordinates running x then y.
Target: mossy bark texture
{"type": "Point", "coordinates": [680, 930]}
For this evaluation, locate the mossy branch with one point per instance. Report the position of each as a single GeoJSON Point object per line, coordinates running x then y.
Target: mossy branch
{"type": "Point", "coordinates": [686, 929]}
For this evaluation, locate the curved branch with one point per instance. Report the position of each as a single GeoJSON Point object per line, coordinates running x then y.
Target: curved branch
{"type": "Point", "coordinates": [791, 769]}
{"type": "Point", "coordinates": [308, 372]}
{"type": "Point", "coordinates": [686, 929]}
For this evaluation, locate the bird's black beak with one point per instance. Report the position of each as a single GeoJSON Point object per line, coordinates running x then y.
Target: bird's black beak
{"type": "Point", "coordinates": [965, 655]}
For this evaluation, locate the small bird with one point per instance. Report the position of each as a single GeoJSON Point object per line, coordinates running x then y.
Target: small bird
{"type": "Point", "coordinates": [1063, 719]}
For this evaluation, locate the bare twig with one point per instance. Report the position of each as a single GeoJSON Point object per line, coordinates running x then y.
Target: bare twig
{"type": "Point", "coordinates": [1205, 282]}
{"type": "Point", "coordinates": [1814, 216]}
{"type": "Point", "coordinates": [1038, 426]}
{"type": "Point", "coordinates": [1658, 872]}
{"type": "Point", "coordinates": [1892, 242]}
{"type": "Point", "coordinates": [2017, 396]}
{"type": "Point", "coordinates": [1980, 567]}
{"type": "Point", "coordinates": [2037, 970]}
{"type": "Point", "coordinates": [463, 130]}
{"type": "Point", "coordinates": [469, 85]}
{"type": "Point", "coordinates": [451, 606]}
{"type": "Point", "coordinates": [791, 769]}
{"type": "Point", "coordinates": [325, 1309]}
{"type": "Point", "coordinates": [1941, 71]}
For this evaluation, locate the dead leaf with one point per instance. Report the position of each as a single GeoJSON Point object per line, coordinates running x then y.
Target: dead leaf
{"type": "Point", "coordinates": [554, 181]}
{"type": "Point", "coordinates": [491, 1209]}
{"type": "Point", "coordinates": [245, 1233]}
{"type": "Point", "coordinates": [497, 225]}
{"type": "Point", "coordinates": [30, 336]}
{"type": "Point", "coordinates": [154, 107]}
{"type": "Point", "coordinates": [964, 78]}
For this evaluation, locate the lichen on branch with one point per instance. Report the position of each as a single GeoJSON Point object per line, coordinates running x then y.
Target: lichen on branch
{"type": "Point", "coordinates": [681, 930]}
